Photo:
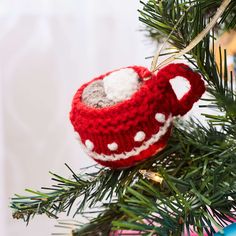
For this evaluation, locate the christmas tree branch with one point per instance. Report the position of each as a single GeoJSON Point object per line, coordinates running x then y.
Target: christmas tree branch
{"type": "Point", "coordinates": [196, 40]}
{"type": "Point", "coordinates": [89, 188]}
{"type": "Point", "coordinates": [181, 184]}
{"type": "Point", "coordinates": [195, 187]}
{"type": "Point", "coordinates": [58, 197]}
{"type": "Point", "coordinates": [201, 56]}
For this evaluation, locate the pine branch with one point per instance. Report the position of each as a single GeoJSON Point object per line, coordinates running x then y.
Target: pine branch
{"type": "Point", "coordinates": [101, 225]}
{"type": "Point", "coordinates": [196, 187]}
{"type": "Point", "coordinates": [220, 81]}
{"type": "Point", "coordinates": [193, 160]}
{"type": "Point", "coordinates": [193, 167]}
{"type": "Point", "coordinates": [89, 188]}
{"type": "Point", "coordinates": [160, 17]}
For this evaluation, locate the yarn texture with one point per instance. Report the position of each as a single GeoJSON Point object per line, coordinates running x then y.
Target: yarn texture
{"type": "Point", "coordinates": [94, 95]}
{"type": "Point", "coordinates": [114, 88]}
{"type": "Point", "coordinates": [139, 123]}
{"type": "Point", "coordinates": [121, 84]}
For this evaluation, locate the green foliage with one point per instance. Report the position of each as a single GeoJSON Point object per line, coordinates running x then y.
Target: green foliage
{"type": "Point", "coordinates": [198, 166]}
{"type": "Point", "coordinates": [161, 17]}
{"type": "Point", "coordinates": [89, 188]}
{"type": "Point", "coordinates": [195, 189]}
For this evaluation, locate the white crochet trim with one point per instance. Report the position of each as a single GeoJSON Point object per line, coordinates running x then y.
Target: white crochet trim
{"type": "Point", "coordinates": [89, 145]}
{"type": "Point", "coordinates": [115, 157]}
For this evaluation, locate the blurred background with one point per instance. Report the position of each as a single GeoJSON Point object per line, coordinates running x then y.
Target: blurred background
{"type": "Point", "coordinates": [48, 48]}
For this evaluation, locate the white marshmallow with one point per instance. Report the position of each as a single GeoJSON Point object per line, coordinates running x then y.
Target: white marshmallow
{"type": "Point", "coordinates": [121, 84]}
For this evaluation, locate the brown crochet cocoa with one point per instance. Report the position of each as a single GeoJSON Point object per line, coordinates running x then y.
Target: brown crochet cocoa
{"type": "Point", "coordinates": [94, 95]}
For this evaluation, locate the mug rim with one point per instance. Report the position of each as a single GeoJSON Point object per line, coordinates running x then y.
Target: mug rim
{"type": "Point", "coordinates": [141, 92]}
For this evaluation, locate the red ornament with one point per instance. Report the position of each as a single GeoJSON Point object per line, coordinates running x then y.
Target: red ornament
{"type": "Point", "coordinates": [122, 135]}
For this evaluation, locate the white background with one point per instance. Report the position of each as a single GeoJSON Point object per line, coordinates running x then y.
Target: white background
{"type": "Point", "coordinates": [47, 50]}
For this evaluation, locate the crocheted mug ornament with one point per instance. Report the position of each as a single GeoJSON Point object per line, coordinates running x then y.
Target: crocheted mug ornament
{"type": "Point", "coordinates": [139, 124]}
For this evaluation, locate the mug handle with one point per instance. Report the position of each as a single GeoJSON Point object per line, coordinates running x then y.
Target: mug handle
{"type": "Point", "coordinates": [197, 87]}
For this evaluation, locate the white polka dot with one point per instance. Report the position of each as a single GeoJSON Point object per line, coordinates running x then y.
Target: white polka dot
{"type": "Point", "coordinates": [139, 136]}
{"type": "Point", "coordinates": [89, 145]}
{"type": "Point", "coordinates": [160, 117]}
{"type": "Point", "coordinates": [112, 146]}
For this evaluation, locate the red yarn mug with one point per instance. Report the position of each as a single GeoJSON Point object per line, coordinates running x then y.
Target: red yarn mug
{"type": "Point", "coordinates": [132, 130]}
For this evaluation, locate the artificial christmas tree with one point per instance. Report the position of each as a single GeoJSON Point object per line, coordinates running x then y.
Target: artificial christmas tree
{"type": "Point", "coordinates": [190, 185]}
